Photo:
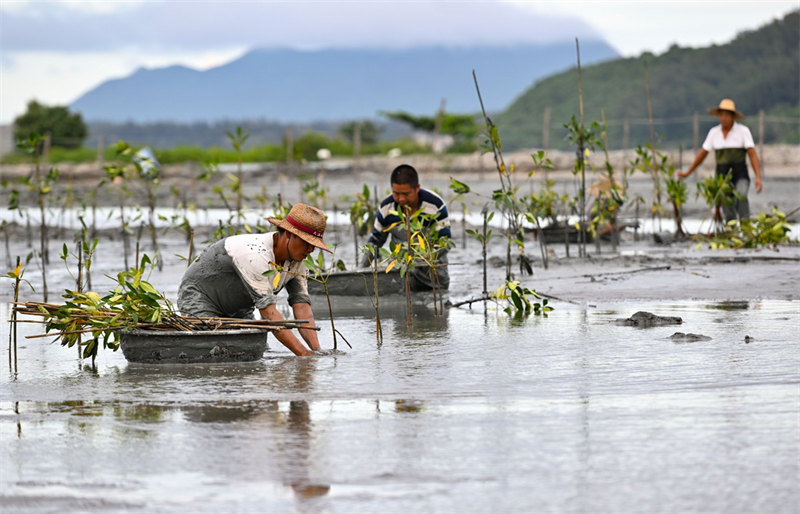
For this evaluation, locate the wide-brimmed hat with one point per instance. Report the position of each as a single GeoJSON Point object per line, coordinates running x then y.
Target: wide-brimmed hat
{"type": "Point", "coordinates": [727, 105]}
{"type": "Point", "coordinates": [306, 222]}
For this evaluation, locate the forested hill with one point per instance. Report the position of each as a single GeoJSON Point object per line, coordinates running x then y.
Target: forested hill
{"type": "Point", "coordinates": [759, 69]}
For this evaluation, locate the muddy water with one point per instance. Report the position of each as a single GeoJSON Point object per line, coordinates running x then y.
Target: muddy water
{"type": "Point", "coordinates": [472, 412]}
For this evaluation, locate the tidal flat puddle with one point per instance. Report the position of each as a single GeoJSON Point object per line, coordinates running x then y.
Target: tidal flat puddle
{"type": "Point", "coordinates": [472, 411]}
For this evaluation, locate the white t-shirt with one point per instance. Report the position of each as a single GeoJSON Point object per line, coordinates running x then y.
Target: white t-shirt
{"type": "Point", "coordinates": [252, 255]}
{"type": "Point", "coordinates": [738, 137]}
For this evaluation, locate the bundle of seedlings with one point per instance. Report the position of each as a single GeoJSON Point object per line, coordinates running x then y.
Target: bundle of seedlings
{"type": "Point", "coordinates": [134, 304]}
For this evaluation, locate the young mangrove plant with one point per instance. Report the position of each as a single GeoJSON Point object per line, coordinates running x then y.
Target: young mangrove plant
{"type": "Point", "coordinates": [132, 303]}
{"type": "Point", "coordinates": [422, 247]}
{"type": "Point", "coordinates": [115, 176]}
{"type": "Point", "coordinates": [677, 193]}
{"type": "Point", "coordinates": [609, 199]}
{"type": "Point", "coordinates": [362, 217]}
{"type": "Point", "coordinates": [717, 191]}
{"type": "Point", "coordinates": [542, 205]}
{"type": "Point", "coordinates": [146, 169]}
{"type": "Point", "coordinates": [586, 139]}
{"type": "Point", "coordinates": [41, 185]}
{"type": "Point", "coordinates": [520, 301]}
{"type": "Point", "coordinates": [16, 275]}
{"type": "Point", "coordinates": [318, 273]}
{"type": "Point", "coordinates": [375, 256]}
{"type": "Point", "coordinates": [505, 198]}
{"type": "Point", "coordinates": [763, 230]}
{"type": "Point", "coordinates": [238, 140]}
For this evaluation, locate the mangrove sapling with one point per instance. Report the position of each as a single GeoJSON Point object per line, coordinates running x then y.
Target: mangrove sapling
{"type": "Point", "coordinates": [617, 191]}
{"type": "Point", "coordinates": [133, 302]}
{"type": "Point", "coordinates": [79, 256]}
{"type": "Point", "coordinates": [461, 189]}
{"type": "Point", "coordinates": [483, 238]}
{"type": "Point", "coordinates": [318, 273]}
{"type": "Point", "coordinates": [609, 196]}
{"type": "Point", "coordinates": [5, 228]}
{"type": "Point", "coordinates": [677, 192]}
{"type": "Point", "coordinates": [423, 246]}
{"type": "Point", "coordinates": [238, 139]}
{"type": "Point", "coordinates": [580, 165]}
{"type": "Point", "coordinates": [41, 186]}
{"type": "Point", "coordinates": [717, 191]}
{"type": "Point", "coordinates": [362, 217]}
{"type": "Point", "coordinates": [428, 248]}
{"type": "Point", "coordinates": [147, 170]}
{"type": "Point", "coordinates": [506, 197]}
{"type": "Point", "coordinates": [763, 230]}
{"type": "Point", "coordinates": [648, 160]}
{"type": "Point", "coordinates": [540, 207]}
{"type": "Point", "coordinates": [312, 190]}
{"type": "Point", "coordinates": [401, 257]}
{"type": "Point", "coordinates": [517, 300]}
{"type": "Point", "coordinates": [115, 175]}
{"type": "Point", "coordinates": [374, 256]}
{"type": "Point", "coordinates": [15, 275]}
{"type": "Point", "coordinates": [655, 172]}
{"type": "Point", "coordinates": [766, 230]}
{"type": "Point", "coordinates": [586, 139]}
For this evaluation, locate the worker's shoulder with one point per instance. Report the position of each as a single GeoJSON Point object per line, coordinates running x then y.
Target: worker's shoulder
{"type": "Point", "coordinates": [741, 127]}
{"type": "Point", "coordinates": [428, 196]}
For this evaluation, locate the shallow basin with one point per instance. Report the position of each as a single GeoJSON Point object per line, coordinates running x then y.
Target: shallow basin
{"type": "Point", "coordinates": [177, 346]}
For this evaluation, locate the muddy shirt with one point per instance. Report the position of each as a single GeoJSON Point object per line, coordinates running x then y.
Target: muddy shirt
{"type": "Point", "coordinates": [228, 279]}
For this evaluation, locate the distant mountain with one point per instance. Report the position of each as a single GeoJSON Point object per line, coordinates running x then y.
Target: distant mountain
{"type": "Point", "coordinates": [331, 84]}
{"type": "Point", "coordinates": [759, 69]}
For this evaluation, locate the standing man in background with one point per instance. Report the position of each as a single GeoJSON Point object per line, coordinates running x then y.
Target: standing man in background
{"type": "Point", "coordinates": [731, 143]}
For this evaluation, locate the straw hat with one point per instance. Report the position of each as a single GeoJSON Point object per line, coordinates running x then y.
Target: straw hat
{"type": "Point", "coordinates": [727, 105]}
{"type": "Point", "coordinates": [306, 222]}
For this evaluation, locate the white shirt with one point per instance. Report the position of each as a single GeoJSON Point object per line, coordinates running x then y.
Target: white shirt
{"type": "Point", "coordinates": [738, 137]}
{"type": "Point", "coordinates": [252, 255]}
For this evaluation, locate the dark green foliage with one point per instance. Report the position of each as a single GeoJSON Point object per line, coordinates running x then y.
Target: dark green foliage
{"type": "Point", "coordinates": [758, 69]}
{"type": "Point", "coordinates": [369, 132]}
{"type": "Point", "coordinates": [67, 130]}
{"type": "Point", "coordinates": [462, 127]}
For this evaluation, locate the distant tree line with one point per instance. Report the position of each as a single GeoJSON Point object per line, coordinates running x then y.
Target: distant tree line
{"type": "Point", "coordinates": [759, 69]}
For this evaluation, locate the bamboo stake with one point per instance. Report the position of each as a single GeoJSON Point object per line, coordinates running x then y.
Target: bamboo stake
{"type": "Point", "coordinates": [14, 326]}
{"type": "Point", "coordinates": [654, 172]}
{"type": "Point", "coordinates": [79, 285]}
{"type": "Point", "coordinates": [582, 218]}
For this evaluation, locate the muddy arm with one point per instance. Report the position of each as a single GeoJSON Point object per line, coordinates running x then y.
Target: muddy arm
{"type": "Point", "coordinates": [302, 310]}
{"type": "Point", "coordinates": [285, 336]}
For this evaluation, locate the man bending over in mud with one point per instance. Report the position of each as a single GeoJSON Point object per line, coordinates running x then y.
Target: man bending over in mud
{"type": "Point", "coordinates": [228, 280]}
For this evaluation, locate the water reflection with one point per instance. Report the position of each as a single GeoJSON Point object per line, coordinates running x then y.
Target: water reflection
{"type": "Point", "coordinates": [474, 413]}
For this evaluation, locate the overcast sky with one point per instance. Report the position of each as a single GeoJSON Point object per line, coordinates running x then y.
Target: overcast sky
{"type": "Point", "coordinates": [54, 51]}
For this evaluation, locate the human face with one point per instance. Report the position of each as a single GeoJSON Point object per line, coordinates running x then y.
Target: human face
{"type": "Point", "coordinates": [406, 196]}
{"type": "Point", "coordinates": [725, 119]}
{"type": "Point", "coordinates": [298, 248]}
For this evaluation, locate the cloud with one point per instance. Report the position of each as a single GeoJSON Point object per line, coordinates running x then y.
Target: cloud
{"type": "Point", "coordinates": [197, 26]}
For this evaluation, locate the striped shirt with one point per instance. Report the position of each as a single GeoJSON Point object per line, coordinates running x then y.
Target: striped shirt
{"type": "Point", "coordinates": [429, 203]}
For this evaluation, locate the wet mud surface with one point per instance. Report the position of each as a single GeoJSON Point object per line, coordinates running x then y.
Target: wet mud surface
{"type": "Point", "coordinates": [472, 411]}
